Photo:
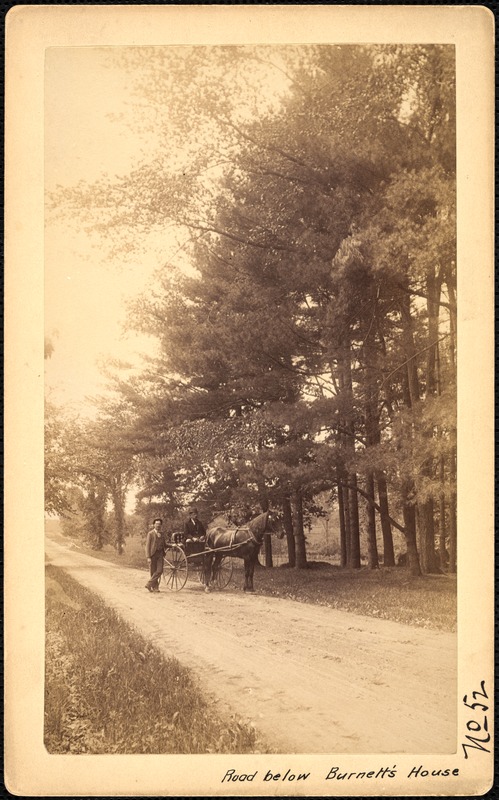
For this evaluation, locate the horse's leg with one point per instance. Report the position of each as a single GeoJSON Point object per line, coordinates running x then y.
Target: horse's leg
{"type": "Point", "coordinates": [251, 571]}
{"type": "Point", "coordinates": [249, 568]}
{"type": "Point", "coordinates": [207, 571]}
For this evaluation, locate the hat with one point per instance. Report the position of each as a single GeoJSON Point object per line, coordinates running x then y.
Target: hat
{"type": "Point", "coordinates": [193, 510]}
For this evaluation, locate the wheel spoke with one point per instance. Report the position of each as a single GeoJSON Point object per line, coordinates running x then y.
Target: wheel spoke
{"type": "Point", "coordinates": [224, 573]}
{"type": "Point", "coordinates": [174, 568]}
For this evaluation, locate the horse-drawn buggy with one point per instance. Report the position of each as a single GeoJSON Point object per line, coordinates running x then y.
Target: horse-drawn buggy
{"type": "Point", "coordinates": [183, 559]}
{"type": "Point", "coordinates": [211, 559]}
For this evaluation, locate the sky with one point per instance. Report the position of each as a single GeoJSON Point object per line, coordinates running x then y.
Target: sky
{"type": "Point", "coordinates": [88, 111]}
{"type": "Point", "coordinates": [86, 292]}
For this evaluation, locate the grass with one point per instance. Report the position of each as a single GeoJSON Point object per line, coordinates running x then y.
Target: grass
{"type": "Point", "coordinates": [108, 691]}
{"type": "Point", "coordinates": [389, 593]}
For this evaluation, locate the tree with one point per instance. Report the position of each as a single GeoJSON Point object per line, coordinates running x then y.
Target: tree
{"type": "Point", "coordinates": [332, 215]}
{"type": "Point", "coordinates": [91, 464]}
{"type": "Point", "coordinates": [58, 465]}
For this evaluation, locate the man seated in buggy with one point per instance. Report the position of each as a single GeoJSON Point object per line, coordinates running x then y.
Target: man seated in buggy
{"type": "Point", "coordinates": [194, 528]}
{"type": "Point", "coordinates": [194, 534]}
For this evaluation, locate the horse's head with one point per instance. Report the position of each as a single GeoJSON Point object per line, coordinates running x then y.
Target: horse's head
{"type": "Point", "coordinates": [266, 523]}
{"type": "Point", "coordinates": [274, 524]}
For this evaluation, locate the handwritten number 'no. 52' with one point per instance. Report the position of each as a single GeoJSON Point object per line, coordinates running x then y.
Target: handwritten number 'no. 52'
{"type": "Point", "coordinates": [476, 727]}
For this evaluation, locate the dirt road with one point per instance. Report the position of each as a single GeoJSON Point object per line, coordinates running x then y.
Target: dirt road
{"type": "Point", "coordinates": [312, 679]}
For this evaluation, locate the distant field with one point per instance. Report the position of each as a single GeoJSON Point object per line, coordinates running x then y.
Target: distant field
{"type": "Point", "coordinates": [323, 543]}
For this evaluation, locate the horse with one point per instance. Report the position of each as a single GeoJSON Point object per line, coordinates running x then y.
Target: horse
{"type": "Point", "coordinates": [243, 542]}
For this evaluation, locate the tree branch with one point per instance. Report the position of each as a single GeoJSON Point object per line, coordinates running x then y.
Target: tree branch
{"type": "Point", "coordinates": [264, 146]}
{"type": "Point", "coordinates": [411, 358]}
{"type": "Point", "coordinates": [419, 294]}
{"type": "Point", "coordinates": [241, 240]}
{"type": "Point", "coordinates": [372, 503]}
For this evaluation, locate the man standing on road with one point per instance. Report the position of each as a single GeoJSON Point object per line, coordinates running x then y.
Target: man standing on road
{"type": "Point", "coordinates": [155, 551]}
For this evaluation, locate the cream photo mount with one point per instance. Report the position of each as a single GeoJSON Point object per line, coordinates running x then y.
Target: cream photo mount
{"type": "Point", "coordinates": [29, 769]}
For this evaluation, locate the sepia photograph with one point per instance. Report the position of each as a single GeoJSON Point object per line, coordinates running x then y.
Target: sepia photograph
{"type": "Point", "coordinates": [253, 410]}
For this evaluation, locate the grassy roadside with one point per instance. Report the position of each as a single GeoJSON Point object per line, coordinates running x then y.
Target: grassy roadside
{"type": "Point", "coordinates": [390, 593]}
{"type": "Point", "coordinates": [108, 691]}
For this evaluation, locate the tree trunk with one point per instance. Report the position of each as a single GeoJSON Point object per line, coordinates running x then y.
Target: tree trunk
{"type": "Point", "coordinates": [373, 433]}
{"type": "Point", "coordinates": [346, 512]}
{"type": "Point", "coordinates": [267, 548]}
{"type": "Point", "coordinates": [95, 515]}
{"type": "Point", "coordinates": [372, 549]}
{"type": "Point", "coordinates": [288, 527]}
{"type": "Point", "coordinates": [433, 292]}
{"type": "Point", "coordinates": [343, 532]}
{"type": "Point", "coordinates": [301, 553]}
{"type": "Point", "coordinates": [453, 533]}
{"type": "Point", "coordinates": [412, 395]}
{"type": "Point", "coordinates": [264, 505]}
{"type": "Point", "coordinates": [119, 518]}
{"type": "Point", "coordinates": [409, 512]}
{"type": "Point", "coordinates": [373, 438]}
{"type": "Point", "coordinates": [425, 512]}
{"type": "Point", "coordinates": [442, 529]}
{"type": "Point", "coordinates": [453, 518]}
{"type": "Point", "coordinates": [350, 498]}
{"type": "Point", "coordinates": [412, 386]}
{"type": "Point", "coordinates": [354, 549]}
{"type": "Point", "coordinates": [442, 545]}
{"type": "Point", "coordinates": [450, 280]}
{"type": "Point", "coordinates": [386, 527]}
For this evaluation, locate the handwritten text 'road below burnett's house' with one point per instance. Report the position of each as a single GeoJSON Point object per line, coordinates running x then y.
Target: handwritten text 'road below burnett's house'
{"type": "Point", "coordinates": [336, 773]}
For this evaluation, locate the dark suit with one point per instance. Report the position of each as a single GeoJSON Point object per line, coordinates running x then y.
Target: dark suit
{"type": "Point", "coordinates": [155, 550]}
{"type": "Point", "coordinates": [194, 529]}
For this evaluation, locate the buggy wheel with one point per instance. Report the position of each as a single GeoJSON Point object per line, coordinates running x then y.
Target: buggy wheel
{"type": "Point", "coordinates": [224, 572]}
{"type": "Point", "coordinates": [174, 568]}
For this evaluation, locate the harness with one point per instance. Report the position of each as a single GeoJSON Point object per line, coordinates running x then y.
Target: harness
{"type": "Point", "coordinates": [251, 539]}
{"type": "Point", "coordinates": [232, 543]}
{"type": "Point", "coordinates": [232, 537]}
